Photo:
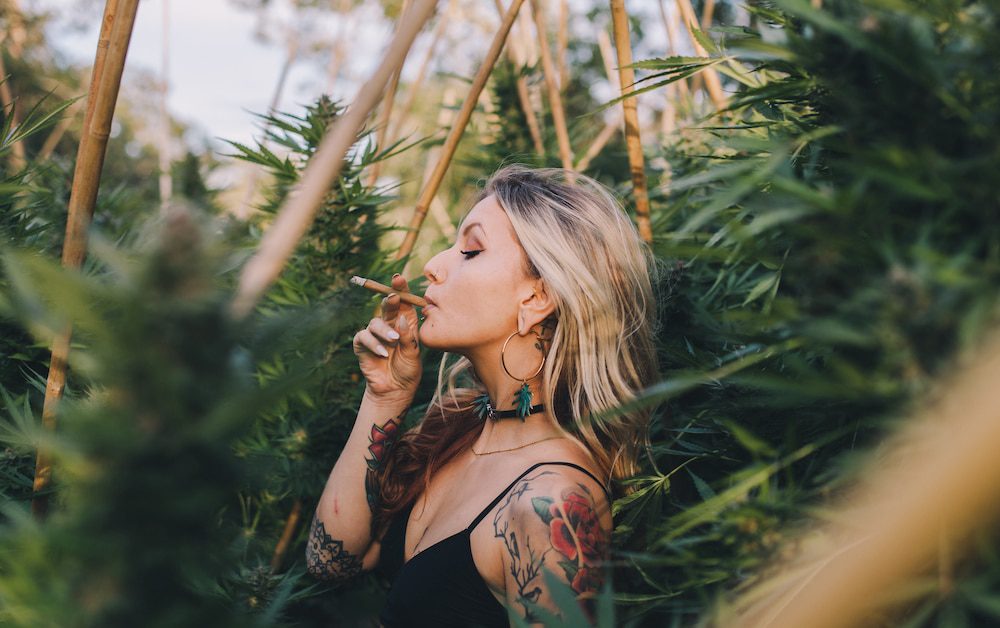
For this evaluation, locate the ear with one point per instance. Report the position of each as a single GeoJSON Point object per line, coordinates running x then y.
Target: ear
{"type": "Point", "coordinates": [535, 307]}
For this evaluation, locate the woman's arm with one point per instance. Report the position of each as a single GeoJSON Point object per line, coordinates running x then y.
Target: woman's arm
{"type": "Point", "coordinates": [554, 522]}
{"type": "Point", "coordinates": [340, 541]}
{"type": "Point", "coordinates": [340, 536]}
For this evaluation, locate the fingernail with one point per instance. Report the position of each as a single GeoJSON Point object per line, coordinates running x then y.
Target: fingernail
{"type": "Point", "coordinates": [396, 275]}
{"type": "Point", "coordinates": [392, 334]}
{"type": "Point", "coordinates": [381, 351]}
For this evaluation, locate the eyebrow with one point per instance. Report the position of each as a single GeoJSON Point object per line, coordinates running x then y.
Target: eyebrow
{"type": "Point", "coordinates": [466, 228]}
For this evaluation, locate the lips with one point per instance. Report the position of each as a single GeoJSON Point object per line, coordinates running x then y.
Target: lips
{"type": "Point", "coordinates": [430, 302]}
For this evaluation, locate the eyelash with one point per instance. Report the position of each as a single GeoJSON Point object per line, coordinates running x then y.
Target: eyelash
{"type": "Point", "coordinates": [470, 254]}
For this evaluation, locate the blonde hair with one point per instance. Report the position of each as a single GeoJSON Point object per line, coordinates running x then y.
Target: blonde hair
{"type": "Point", "coordinates": [579, 240]}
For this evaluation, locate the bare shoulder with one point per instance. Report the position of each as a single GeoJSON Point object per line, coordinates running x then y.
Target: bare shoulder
{"type": "Point", "coordinates": [555, 519]}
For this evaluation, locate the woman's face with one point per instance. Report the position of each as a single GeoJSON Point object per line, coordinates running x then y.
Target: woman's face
{"type": "Point", "coordinates": [476, 295]}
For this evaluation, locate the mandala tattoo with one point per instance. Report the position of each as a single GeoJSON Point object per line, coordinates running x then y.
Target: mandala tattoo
{"type": "Point", "coordinates": [380, 442]}
{"type": "Point", "coordinates": [326, 557]}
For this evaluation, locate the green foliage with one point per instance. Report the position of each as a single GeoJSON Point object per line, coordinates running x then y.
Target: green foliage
{"type": "Point", "coordinates": [834, 246]}
{"type": "Point", "coordinates": [144, 463]}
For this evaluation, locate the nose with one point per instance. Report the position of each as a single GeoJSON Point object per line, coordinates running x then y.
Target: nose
{"type": "Point", "coordinates": [434, 269]}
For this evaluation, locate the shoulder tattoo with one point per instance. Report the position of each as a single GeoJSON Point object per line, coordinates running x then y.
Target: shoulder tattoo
{"type": "Point", "coordinates": [560, 533]}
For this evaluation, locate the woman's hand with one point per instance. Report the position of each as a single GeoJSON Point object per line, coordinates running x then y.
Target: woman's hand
{"type": "Point", "coordinates": [388, 350]}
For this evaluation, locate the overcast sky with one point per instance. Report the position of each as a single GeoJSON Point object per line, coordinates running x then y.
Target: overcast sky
{"type": "Point", "coordinates": [218, 71]}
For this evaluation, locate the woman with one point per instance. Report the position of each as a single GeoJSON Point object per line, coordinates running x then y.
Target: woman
{"type": "Point", "coordinates": [546, 296]}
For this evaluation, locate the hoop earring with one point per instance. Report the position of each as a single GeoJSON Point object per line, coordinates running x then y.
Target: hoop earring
{"type": "Point", "coordinates": [522, 399]}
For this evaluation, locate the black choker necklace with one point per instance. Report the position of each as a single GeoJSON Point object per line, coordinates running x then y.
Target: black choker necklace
{"type": "Point", "coordinates": [485, 410]}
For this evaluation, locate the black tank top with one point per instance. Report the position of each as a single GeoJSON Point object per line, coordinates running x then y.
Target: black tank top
{"type": "Point", "coordinates": [440, 586]}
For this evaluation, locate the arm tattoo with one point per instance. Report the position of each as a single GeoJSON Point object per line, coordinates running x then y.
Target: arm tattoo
{"type": "Point", "coordinates": [524, 569]}
{"type": "Point", "coordinates": [380, 442]}
{"type": "Point", "coordinates": [326, 557]}
{"type": "Point", "coordinates": [575, 534]}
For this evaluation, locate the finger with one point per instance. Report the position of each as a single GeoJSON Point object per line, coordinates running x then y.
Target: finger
{"type": "Point", "coordinates": [383, 330]}
{"type": "Point", "coordinates": [364, 340]}
{"type": "Point", "coordinates": [390, 309]}
{"type": "Point", "coordinates": [401, 284]}
{"type": "Point", "coordinates": [409, 344]}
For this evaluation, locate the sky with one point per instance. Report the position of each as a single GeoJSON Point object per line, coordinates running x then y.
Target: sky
{"type": "Point", "coordinates": [219, 73]}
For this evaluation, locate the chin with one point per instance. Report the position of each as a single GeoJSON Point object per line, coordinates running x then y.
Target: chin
{"type": "Point", "coordinates": [428, 340]}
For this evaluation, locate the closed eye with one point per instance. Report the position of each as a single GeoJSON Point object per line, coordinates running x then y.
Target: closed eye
{"type": "Point", "coordinates": [470, 254]}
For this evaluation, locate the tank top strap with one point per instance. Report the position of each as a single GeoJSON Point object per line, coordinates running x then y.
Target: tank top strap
{"type": "Point", "coordinates": [496, 501]}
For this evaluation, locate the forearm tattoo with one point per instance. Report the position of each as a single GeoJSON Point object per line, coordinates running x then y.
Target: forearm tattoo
{"type": "Point", "coordinates": [573, 531]}
{"type": "Point", "coordinates": [326, 557]}
{"type": "Point", "coordinates": [380, 442]}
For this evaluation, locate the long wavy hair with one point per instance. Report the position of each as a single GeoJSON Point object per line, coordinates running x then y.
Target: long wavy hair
{"type": "Point", "coordinates": [578, 239]}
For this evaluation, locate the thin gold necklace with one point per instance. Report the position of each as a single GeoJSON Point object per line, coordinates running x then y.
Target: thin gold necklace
{"type": "Point", "coordinates": [498, 451]}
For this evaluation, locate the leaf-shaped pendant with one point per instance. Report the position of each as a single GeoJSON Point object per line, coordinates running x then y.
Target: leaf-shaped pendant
{"type": "Point", "coordinates": [483, 406]}
{"type": "Point", "coordinates": [523, 401]}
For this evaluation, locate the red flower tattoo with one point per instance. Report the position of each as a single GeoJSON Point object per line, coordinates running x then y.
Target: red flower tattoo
{"type": "Point", "coordinates": [381, 440]}
{"type": "Point", "coordinates": [579, 531]}
{"type": "Point", "coordinates": [575, 532]}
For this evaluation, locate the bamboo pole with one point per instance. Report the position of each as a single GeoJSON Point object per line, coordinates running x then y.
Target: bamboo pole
{"type": "Point", "coordinates": [562, 43]}
{"type": "Point", "coordinates": [670, 25]}
{"type": "Point", "coordinates": [340, 44]}
{"type": "Point", "coordinates": [445, 116]}
{"type": "Point", "coordinates": [461, 121]}
{"type": "Point", "coordinates": [712, 83]}
{"type": "Point", "coordinates": [299, 210]}
{"type": "Point", "coordinates": [69, 117]}
{"type": "Point", "coordinates": [291, 523]}
{"type": "Point", "coordinates": [677, 90]}
{"type": "Point", "coordinates": [935, 482]}
{"type": "Point", "coordinates": [528, 44]}
{"type": "Point", "coordinates": [626, 77]}
{"type": "Point", "coordinates": [616, 122]}
{"type": "Point", "coordinates": [607, 52]}
{"type": "Point", "coordinates": [109, 63]}
{"type": "Point", "coordinates": [166, 183]}
{"type": "Point", "coordinates": [555, 100]}
{"type": "Point", "coordinates": [385, 115]}
{"type": "Point", "coordinates": [18, 158]}
{"type": "Point", "coordinates": [16, 35]}
{"type": "Point", "coordinates": [414, 88]}
{"type": "Point", "coordinates": [602, 139]}
{"type": "Point", "coordinates": [523, 97]}
{"type": "Point", "coordinates": [707, 11]}
{"type": "Point", "coordinates": [17, 32]}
